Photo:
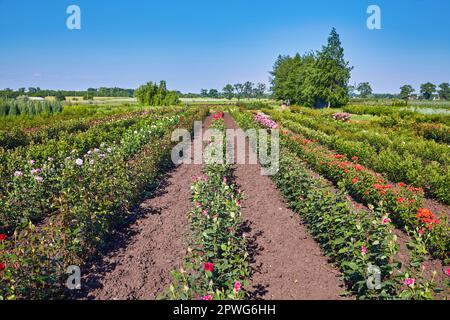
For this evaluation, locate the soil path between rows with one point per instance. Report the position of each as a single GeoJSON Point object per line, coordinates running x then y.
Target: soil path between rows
{"type": "Point", "coordinates": [139, 260]}
{"type": "Point", "coordinates": [286, 262]}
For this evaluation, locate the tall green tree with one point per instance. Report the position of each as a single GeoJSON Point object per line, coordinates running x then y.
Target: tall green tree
{"type": "Point", "coordinates": [331, 74]}
{"type": "Point", "coordinates": [427, 90]}
{"type": "Point", "coordinates": [248, 89]}
{"type": "Point", "coordinates": [204, 93]}
{"type": "Point", "coordinates": [444, 91]}
{"type": "Point", "coordinates": [228, 91]}
{"type": "Point", "coordinates": [213, 93]}
{"type": "Point", "coordinates": [153, 94]}
{"type": "Point", "coordinates": [285, 70]}
{"type": "Point", "coordinates": [260, 90]}
{"type": "Point", "coordinates": [239, 90]}
{"type": "Point", "coordinates": [365, 90]}
{"type": "Point", "coordinates": [406, 91]}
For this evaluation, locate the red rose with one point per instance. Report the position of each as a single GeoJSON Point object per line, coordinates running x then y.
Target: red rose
{"type": "Point", "coordinates": [3, 237]}
{"type": "Point", "coordinates": [377, 186]}
{"type": "Point", "coordinates": [208, 266]}
{"type": "Point", "coordinates": [2, 266]}
{"type": "Point", "coordinates": [447, 272]}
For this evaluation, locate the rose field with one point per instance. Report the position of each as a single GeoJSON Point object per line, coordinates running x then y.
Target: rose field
{"type": "Point", "coordinates": [224, 159]}
{"type": "Point", "coordinates": [358, 207]}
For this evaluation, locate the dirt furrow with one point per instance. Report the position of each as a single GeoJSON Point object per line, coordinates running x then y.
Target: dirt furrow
{"type": "Point", "coordinates": [140, 258]}
{"type": "Point", "coordinates": [286, 262]}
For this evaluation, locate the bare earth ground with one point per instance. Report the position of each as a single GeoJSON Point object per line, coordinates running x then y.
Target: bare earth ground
{"type": "Point", "coordinates": [139, 267]}
{"type": "Point", "coordinates": [286, 262]}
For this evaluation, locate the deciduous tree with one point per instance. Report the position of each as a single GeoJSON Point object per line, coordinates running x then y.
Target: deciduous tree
{"type": "Point", "coordinates": [228, 91]}
{"type": "Point", "coordinates": [444, 91]}
{"type": "Point", "coordinates": [427, 90]}
{"type": "Point", "coordinates": [314, 78]}
{"type": "Point", "coordinates": [365, 90]}
{"type": "Point", "coordinates": [406, 91]}
{"type": "Point", "coordinates": [239, 89]}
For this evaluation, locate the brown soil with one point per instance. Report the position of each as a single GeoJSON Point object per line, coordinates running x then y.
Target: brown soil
{"type": "Point", "coordinates": [429, 264]}
{"type": "Point", "coordinates": [404, 254]}
{"type": "Point", "coordinates": [138, 263]}
{"type": "Point", "coordinates": [286, 262]}
{"type": "Point", "coordinates": [141, 269]}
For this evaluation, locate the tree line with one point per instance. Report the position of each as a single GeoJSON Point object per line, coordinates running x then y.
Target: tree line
{"type": "Point", "coordinates": [427, 91]}
{"type": "Point", "coordinates": [239, 91]}
{"type": "Point", "coordinates": [60, 95]}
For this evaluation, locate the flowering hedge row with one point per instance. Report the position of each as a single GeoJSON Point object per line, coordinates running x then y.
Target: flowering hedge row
{"type": "Point", "coordinates": [417, 161]}
{"type": "Point", "coordinates": [33, 177]}
{"type": "Point", "coordinates": [98, 192]}
{"type": "Point", "coordinates": [402, 113]}
{"type": "Point", "coordinates": [403, 202]}
{"type": "Point", "coordinates": [265, 120]}
{"type": "Point", "coordinates": [399, 137]}
{"type": "Point", "coordinates": [437, 132]}
{"type": "Point", "coordinates": [354, 239]}
{"type": "Point", "coordinates": [73, 112]}
{"type": "Point", "coordinates": [216, 266]}
{"type": "Point", "coordinates": [18, 137]}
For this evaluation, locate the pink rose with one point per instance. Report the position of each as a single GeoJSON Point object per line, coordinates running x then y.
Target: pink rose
{"type": "Point", "coordinates": [237, 286]}
{"type": "Point", "coordinates": [410, 281]}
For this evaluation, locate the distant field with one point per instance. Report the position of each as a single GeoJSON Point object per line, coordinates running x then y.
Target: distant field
{"type": "Point", "coordinates": [412, 103]}
{"type": "Point", "coordinates": [101, 100]}
{"type": "Point", "coordinates": [223, 101]}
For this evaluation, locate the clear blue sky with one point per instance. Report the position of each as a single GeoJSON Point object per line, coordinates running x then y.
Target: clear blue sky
{"type": "Point", "coordinates": [196, 44]}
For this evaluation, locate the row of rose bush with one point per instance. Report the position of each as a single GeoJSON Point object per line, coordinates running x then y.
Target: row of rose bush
{"type": "Point", "coordinates": [33, 176]}
{"type": "Point", "coordinates": [98, 193]}
{"type": "Point", "coordinates": [401, 140]}
{"type": "Point", "coordinates": [392, 158]}
{"type": "Point", "coordinates": [437, 132]}
{"type": "Point", "coordinates": [356, 240]}
{"type": "Point", "coordinates": [21, 137]}
{"type": "Point", "coordinates": [72, 112]}
{"type": "Point", "coordinates": [402, 201]}
{"type": "Point", "coordinates": [398, 112]}
{"type": "Point", "coordinates": [416, 125]}
{"type": "Point", "coordinates": [216, 267]}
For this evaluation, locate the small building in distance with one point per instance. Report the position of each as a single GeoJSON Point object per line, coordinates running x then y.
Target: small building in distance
{"type": "Point", "coordinates": [36, 99]}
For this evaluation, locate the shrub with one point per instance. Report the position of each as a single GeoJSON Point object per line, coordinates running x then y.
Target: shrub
{"type": "Point", "coordinates": [254, 105]}
{"type": "Point", "coordinates": [341, 116]}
